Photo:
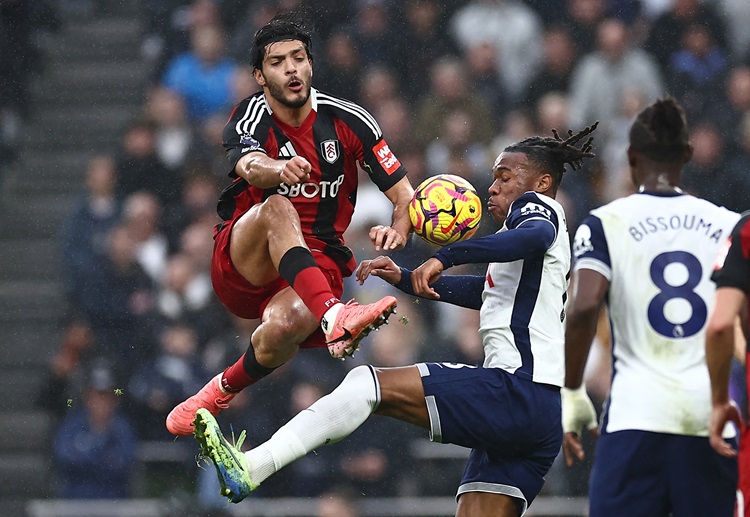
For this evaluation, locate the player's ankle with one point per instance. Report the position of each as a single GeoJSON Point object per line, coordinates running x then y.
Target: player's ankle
{"type": "Point", "coordinates": [329, 318]}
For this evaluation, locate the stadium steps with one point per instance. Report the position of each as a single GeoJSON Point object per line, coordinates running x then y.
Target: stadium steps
{"type": "Point", "coordinates": [92, 84]}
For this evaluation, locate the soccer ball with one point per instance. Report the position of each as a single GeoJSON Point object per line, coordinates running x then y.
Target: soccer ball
{"type": "Point", "coordinates": [445, 209]}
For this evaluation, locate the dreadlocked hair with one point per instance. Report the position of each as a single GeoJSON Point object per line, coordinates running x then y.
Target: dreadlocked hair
{"type": "Point", "coordinates": [285, 26]}
{"type": "Point", "coordinates": [551, 154]}
{"type": "Point", "coordinates": [660, 131]}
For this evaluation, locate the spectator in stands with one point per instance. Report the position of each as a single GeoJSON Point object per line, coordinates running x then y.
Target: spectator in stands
{"type": "Point", "coordinates": [141, 215]}
{"type": "Point", "coordinates": [666, 33]}
{"type": "Point", "coordinates": [560, 56]}
{"type": "Point", "coordinates": [582, 19]}
{"type": "Point", "coordinates": [449, 90]}
{"type": "Point", "coordinates": [395, 119]}
{"type": "Point", "coordinates": [371, 31]}
{"type": "Point", "coordinates": [174, 373]}
{"type": "Point", "coordinates": [736, 14]}
{"type": "Point", "coordinates": [738, 168]}
{"type": "Point", "coordinates": [484, 76]}
{"type": "Point", "coordinates": [705, 174]}
{"type": "Point", "coordinates": [95, 444]}
{"type": "Point", "coordinates": [203, 75]}
{"type": "Point", "coordinates": [341, 68]}
{"type": "Point", "coordinates": [174, 136]}
{"type": "Point", "coordinates": [185, 293]}
{"type": "Point", "coordinates": [64, 381]}
{"type": "Point", "coordinates": [379, 85]}
{"type": "Point", "coordinates": [421, 39]}
{"type": "Point", "coordinates": [118, 299]}
{"type": "Point", "coordinates": [733, 104]}
{"type": "Point", "coordinates": [139, 166]}
{"type": "Point", "coordinates": [603, 76]}
{"type": "Point", "coordinates": [197, 204]}
{"type": "Point", "coordinates": [458, 142]}
{"type": "Point", "coordinates": [170, 25]}
{"type": "Point", "coordinates": [696, 70]}
{"type": "Point", "coordinates": [20, 23]}
{"type": "Point", "coordinates": [84, 230]}
{"type": "Point", "coordinates": [513, 28]}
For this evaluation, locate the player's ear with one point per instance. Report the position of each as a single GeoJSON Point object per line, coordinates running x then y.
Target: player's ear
{"type": "Point", "coordinates": [631, 156]}
{"type": "Point", "coordinates": [543, 183]}
{"type": "Point", "coordinates": [258, 74]}
{"type": "Point", "coordinates": [688, 154]}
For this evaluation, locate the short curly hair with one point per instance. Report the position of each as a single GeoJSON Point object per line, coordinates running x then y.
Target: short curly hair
{"type": "Point", "coordinates": [285, 26]}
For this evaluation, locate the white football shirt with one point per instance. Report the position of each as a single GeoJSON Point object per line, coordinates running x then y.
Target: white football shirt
{"type": "Point", "coordinates": [522, 315]}
{"type": "Point", "coordinates": [657, 251]}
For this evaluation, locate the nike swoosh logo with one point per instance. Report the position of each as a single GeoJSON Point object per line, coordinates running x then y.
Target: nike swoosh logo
{"type": "Point", "coordinates": [449, 228]}
{"type": "Point", "coordinates": [345, 336]}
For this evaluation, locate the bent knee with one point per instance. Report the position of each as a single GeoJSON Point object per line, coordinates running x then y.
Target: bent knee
{"type": "Point", "coordinates": [275, 342]}
{"type": "Point", "coordinates": [276, 205]}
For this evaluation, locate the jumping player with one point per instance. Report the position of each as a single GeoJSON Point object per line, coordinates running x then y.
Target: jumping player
{"type": "Point", "coordinates": [280, 254]}
{"type": "Point", "coordinates": [732, 278]}
{"type": "Point", "coordinates": [650, 256]}
{"type": "Point", "coordinates": [508, 410]}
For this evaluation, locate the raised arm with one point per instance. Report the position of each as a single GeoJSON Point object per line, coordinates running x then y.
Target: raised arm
{"type": "Point", "coordinates": [395, 236]}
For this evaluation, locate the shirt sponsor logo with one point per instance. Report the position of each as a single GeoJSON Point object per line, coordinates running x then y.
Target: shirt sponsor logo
{"type": "Point", "coordinates": [386, 158]}
{"type": "Point", "coordinates": [329, 149]}
{"type": "Point", "coordinates": [310, 190]}
{"type": "Point", "coordinates": [582, 242]}
{"type": "Point", "coordinates": [534, 208]}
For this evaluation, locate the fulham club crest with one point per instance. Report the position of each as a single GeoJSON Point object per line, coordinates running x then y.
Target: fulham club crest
{"type": "Point", "coordinates": [329, 149]}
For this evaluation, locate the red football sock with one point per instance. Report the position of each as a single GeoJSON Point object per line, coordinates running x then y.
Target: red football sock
{"type": "Point", "coordinates": [243, 373]}
{"type": "Point", "coordinates": [298, 267]}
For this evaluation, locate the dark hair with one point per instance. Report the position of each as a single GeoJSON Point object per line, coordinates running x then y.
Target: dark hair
{"type": "Point", "coordinates": [285, 26]}
{"type": "Point", "coordinates": [551, 154]}
{"type": "Point", "coordinates": [660, 131]}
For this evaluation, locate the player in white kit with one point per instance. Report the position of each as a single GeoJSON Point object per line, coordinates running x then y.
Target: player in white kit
{"type": "Point", "coordinates": [508, 410]}
{"type": "Point", "coordinates": [649, 256]}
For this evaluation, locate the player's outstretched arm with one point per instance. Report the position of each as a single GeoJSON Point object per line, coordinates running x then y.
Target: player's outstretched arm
{"type": "Point", "coordinates": [461, 290]}
{"type": "Point", "coordinates": [719, 351]}
{"type": "Point", "coordinates": [381, 267]}
{"type": "Point", "coordinates": [395, 236]}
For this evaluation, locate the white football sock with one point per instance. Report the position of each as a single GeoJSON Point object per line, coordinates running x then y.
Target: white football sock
{"type": "Point", "coordinates": [328, 420]}
{"type": "Point", "coordinates": [329, 318]}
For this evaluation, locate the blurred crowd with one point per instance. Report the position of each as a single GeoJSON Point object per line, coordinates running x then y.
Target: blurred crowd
{"type": "Point", "coordinates": [451, 83]}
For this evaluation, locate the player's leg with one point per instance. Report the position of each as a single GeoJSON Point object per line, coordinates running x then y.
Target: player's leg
{"type": "Point", "coordinates": [267, 241]}
{"type": "Point", "coordinates": [484, 504]}
{"type": "Point", "coordinates": [629, 475]}
{"type": "Point", "coordinates": [701, 481]}
{"type": "Point", "coordinates": [327, 421]}
{"type": "Point", "coordinates": [285, 323]}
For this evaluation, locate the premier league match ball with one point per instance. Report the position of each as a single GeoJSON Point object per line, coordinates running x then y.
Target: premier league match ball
{"type": "Point", "coordinates": [445, 209]}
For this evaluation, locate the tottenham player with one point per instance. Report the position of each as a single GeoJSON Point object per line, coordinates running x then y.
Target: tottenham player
{"type": "Point", "coordinates": [508, 411]}
{"type": "Point", "coordinates": [280, 255]}
{"type": "Point", "coordinates": [650, 256]}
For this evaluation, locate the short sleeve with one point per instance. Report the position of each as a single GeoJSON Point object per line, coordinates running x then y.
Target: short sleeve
{"type": "Point", "coordinates": [732, 267]}
{"type": "Point", "coordinates": [590, 248]}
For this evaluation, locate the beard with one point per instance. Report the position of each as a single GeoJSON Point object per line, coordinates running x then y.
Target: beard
{"type": "Point", "coordinates": [277, 92]}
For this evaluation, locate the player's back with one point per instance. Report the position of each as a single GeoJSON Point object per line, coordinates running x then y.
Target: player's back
{"type": "Point", "coordinates": [658, 252]}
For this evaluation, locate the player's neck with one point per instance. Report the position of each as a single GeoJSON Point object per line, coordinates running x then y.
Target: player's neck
{"type": "Point", "coordinates": [291, 116]}
{"type": "Point", "coordinates": [660, 182]}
